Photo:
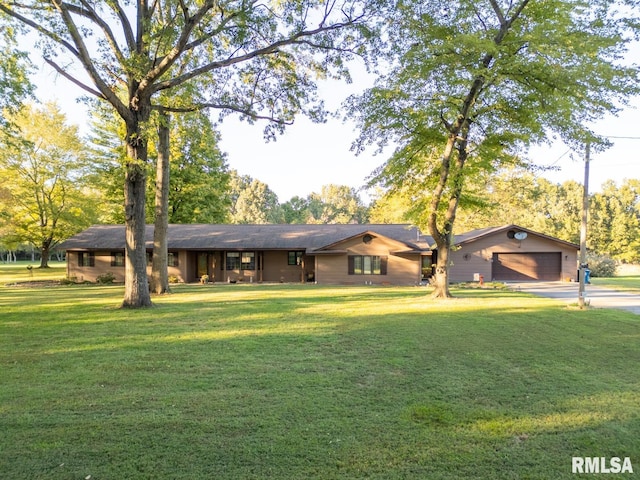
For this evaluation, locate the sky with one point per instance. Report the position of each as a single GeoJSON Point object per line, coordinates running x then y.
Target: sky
{"type": "Point", "coordinates": [308, 156]}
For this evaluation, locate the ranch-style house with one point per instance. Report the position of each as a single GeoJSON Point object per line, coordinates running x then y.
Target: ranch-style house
{"type": "Point", "coordinates": [328, 254]}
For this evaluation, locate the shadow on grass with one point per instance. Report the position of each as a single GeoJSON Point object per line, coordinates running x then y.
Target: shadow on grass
{"type": "Point", "coordinates": [313, 382]}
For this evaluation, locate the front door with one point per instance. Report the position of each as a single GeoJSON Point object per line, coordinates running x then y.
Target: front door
{"type": "Point", "coordinates": [203, 265]}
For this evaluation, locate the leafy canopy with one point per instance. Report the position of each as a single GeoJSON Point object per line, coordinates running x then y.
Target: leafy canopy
{"type": "Point", "coordinates": [551, 72]}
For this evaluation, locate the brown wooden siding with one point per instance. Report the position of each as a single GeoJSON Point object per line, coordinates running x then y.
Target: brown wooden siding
{"type": "Point", "coordinates": [103, 264]}
{"type": "Point", "coordinates": [477, 257]}
{"type": "Point", "coordinates": [402, 269]}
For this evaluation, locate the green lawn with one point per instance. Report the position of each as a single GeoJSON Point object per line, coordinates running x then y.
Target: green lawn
{"type": "Point", "coordinates": [20, 272]}
{"type": "Point", "coordinates": [628, 283]}
{"type": "Point", "coordinates": [300, 382]}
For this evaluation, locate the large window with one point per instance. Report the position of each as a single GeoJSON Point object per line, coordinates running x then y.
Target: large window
{"type": "Point", "coordinates": [117, 259]}
{"type": "Point", "coordinates": [172, 259]}
{"type": "Point", "coordinates": [86, 259]}
{"type": "Point", "coordinates": [248, 261]}
{"type": "Point", "coordinates": [367, 265]}
{"type": "Point", "coordinates": [241, 261]}
{"type": "Point", "coordinates": [295, 258]}
{"type": "Point", "coordinates": [233, 261]}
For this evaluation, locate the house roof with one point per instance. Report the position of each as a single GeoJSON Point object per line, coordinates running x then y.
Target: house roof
{"type": "Point", "coordinates": [247, 237]}
{"type": "Point", "coordinates": [474, 235]}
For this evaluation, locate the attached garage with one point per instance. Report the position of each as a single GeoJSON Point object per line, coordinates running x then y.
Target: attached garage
{"type": "Point", "coordinates": [512, 253]}
{"type": "Point", "coordinates": [546, 266]}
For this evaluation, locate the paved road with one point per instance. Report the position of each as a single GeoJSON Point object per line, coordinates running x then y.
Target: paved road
{"type": "Point", "coordinates": [597, 297]}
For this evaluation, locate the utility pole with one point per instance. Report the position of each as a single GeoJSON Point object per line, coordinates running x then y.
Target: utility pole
{"type": "Point", "coordinates": [583, 228]}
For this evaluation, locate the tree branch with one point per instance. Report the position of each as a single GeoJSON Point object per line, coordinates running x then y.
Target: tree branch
{"type": "Point", "coordinates": [87, 62]}
{"type": "Point", "coordinates": [39, 28]}
{"type": "Point", "coordinates": [89, 13]}
{"type": "Point", "coordinates": [269, 49]}
{"type": "Point", "coordinates": [74, 80]}
{"type": "Point", "coordinates": [126, 25]}
{"type": "Point", "coordinates": [223, 106]}
{"type": "Point", "coordinates": [166, 63]}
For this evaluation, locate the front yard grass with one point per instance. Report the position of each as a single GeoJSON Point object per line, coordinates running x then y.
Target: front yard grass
{"type": "Point", "coordinates": [23, 271]}
{"type": "Point", "coordinates": [301, 381]}
{"type": "Point", "coordinates": [627, 283]}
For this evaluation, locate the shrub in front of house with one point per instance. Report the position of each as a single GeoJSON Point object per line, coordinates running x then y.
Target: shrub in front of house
{"type": "Point", "coordinates": [106, 278]}
{"type": "Point", "coordinates": [601, 265]}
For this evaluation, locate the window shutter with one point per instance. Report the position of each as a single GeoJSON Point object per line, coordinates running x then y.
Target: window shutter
{"type": "Point", "coordinates": [383, 265]}
{"type": "Point", "coordinates": [351, 264]}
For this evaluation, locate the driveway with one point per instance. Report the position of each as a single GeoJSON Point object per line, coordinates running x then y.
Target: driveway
{"type": "Point", "coordinates": [596, 297]}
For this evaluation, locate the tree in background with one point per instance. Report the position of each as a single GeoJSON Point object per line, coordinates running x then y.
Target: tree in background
{"type": "Point", "coordinates": [336, 204]}
{"type": "Point", "coordinates": [295, 210]}
{"type": "Point", "coordinates": [252, 201]}
{"type": "Point", "coordinates": [199, 191]}
{"type": "Point", "coordinates": [390, 206]}
{"type": "Point", "coordinates": [614, 222]}
{"type": "Point", "coordinates": [474, 84]}
{"type": "Point", "coordinates": [45, 173]}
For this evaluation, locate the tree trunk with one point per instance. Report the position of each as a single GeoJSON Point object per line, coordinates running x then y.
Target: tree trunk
{"type": "Point", "coordinates": [159, 265]}
{"type": "Point", "coordinates": [136, 292]}
{"type": "Point", "coordinates": [45, 252]}
{"type": "Point", "coordinates": [441, 282]}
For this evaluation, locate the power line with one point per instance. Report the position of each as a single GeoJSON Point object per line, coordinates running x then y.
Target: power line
{"type": "Point", "coordinates": [622, 138]}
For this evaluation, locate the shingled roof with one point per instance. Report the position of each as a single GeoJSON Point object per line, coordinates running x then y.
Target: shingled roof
{"type": "Point", "coordinates": [474, 235]}
{"type": "Point", "coordinates": [246, 237]}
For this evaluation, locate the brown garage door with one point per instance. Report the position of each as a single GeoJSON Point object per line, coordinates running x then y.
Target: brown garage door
{"type": "Point", "coordinates": [527, 266]}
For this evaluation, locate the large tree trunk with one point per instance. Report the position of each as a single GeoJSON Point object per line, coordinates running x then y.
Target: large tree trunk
{"type": "Point", "coordinates": [136, 292]}
{"type": "Point", "coordinates": [440, 280]}
{"type": "Point", "coordinates": [450, 172]}
{"type": "Point", "coordinates": [44, 252]}
{"type": "Point", "coordinates": [159, 265]}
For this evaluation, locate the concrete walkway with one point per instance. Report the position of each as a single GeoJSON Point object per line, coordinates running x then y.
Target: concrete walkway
{"type": "Point", "coordinates": [596, 297]}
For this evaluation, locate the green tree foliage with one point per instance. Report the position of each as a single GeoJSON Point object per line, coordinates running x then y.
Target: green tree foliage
{"type": "Point", "coordinates": [390, 206]}
{"type": "Point", "coordinates": [44, 170]}
{"type": "Point", "coordinates": [473, 84]}
{"type": "Point", "coordinates": [199, 190]}
{"type": "Point", "coordinates": [15, 86]}
{"type": "Point", "coordinates": [614, 223]}
{"type": "Point", "coordinates": [295, 210]}
{"type": "Point", "coordinates": [334, 204]}
{"type": "Point", "coordinates": [252, 201]}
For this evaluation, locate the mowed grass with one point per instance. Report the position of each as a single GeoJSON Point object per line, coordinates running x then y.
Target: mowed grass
{"type": "Point", "coordinates": [19, 272]}
{"type": "Point", "coordinates": [627, 279]}
{"type": "Point", "coordinates": [628, 283]}
{"type": "Point", "coordinates": [302, 381]}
